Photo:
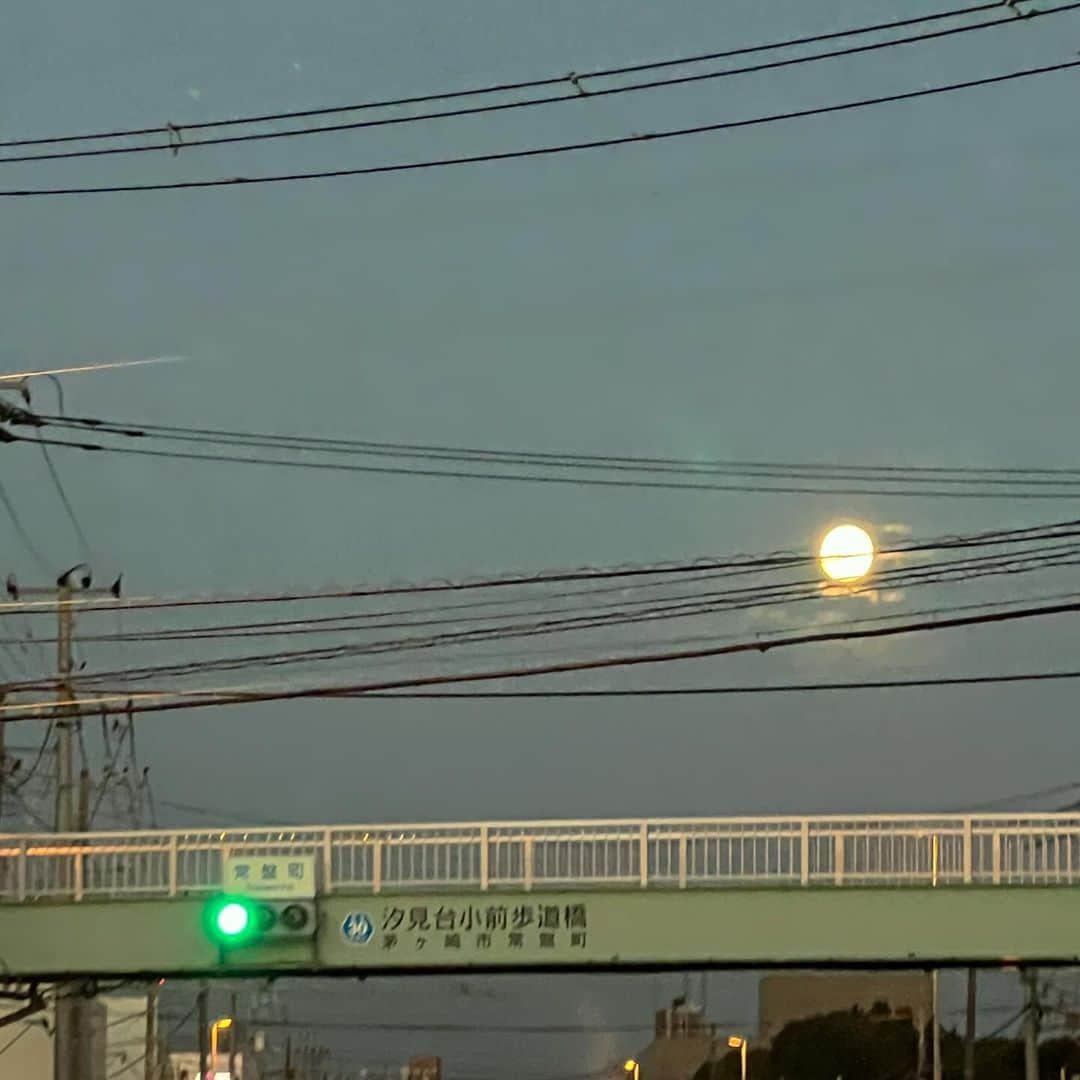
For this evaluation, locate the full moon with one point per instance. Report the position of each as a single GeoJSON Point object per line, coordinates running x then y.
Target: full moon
{"type": "Point", "coordinates": [846, 553]}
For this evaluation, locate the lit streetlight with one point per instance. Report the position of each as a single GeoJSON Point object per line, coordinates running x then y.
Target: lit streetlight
{"type": "Point", "coordinates": [222, 1024]}
{"type": "Point", "coordinates": [737, 1042]}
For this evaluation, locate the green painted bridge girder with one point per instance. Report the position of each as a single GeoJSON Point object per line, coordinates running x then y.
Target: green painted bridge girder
{"type": "Point", "coordinates": [602, 930]}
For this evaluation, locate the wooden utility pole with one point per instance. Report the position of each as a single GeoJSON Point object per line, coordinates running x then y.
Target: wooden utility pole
{"type": "Point", "coordinates": [65, 698]}
{"type": "Point", "coordinates": [72, 798]}
{"type": "Point", "coordinates": [232, 1036]}
{"type": "Point", "coordinates": [70, 1036]}
{"type": "Point", "coordinates": [969, 1029]}
{"type": "Point", "coordinates": [3, 759]}
{"type": "Point", "coordinates": [1031, 1025]}
{"type": "Point", "coordinates": [204, 1020]}
{"type": "Point", "coordinates": [920, 1051]}
{"type": "Point", "coordinates": [936, 1042]}
{"type": "Point", "coordinates": [150, 1070]}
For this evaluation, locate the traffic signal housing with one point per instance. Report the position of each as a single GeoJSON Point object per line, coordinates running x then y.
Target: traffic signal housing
{"type": "Point", "coordinates": [234, 921]}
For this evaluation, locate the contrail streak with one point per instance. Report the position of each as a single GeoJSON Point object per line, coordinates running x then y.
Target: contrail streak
{"type": "Point", "coordinates": [15, 375]}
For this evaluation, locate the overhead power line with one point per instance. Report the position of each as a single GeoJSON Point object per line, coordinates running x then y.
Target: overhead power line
{"type": "Point", "coordinates": [165, 701]}
{"type": "Point", "coordinates": [20, 529]}
{"type": "Point", "coordinates": [625, 613]}
{"type": "Point", "coordinates": [550, 150]}
{"type": "Point", "coordinates": [1023, 796]}
{"type": "Point", "coordinates": [506, 87]}
{"type": "Point", "coordinates": [736, 563]}
{"type": "Point", "coordinates": [577, 93]}
{"type": "Point", "coordinates": [740, 690]}
{"type": "Point", "coordinates": [1062, 489]}
{"type": "Point", "coordinates": [518, 1029]}
{"type": "Point", "coordinates": [945, 474]}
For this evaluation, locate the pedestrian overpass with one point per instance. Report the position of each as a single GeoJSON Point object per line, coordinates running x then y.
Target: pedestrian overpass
{"type": "Point", "coordinates": [857, 891]}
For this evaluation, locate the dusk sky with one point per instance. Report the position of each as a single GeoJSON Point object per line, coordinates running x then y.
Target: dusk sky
{"type": "Point", "coordinates": [894, 285]}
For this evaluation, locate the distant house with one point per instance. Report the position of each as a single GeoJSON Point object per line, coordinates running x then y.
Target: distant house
{"type": "Point", "coordinates": [683, 1040]}
{"type": "Point", "coordinates": [788, 997]}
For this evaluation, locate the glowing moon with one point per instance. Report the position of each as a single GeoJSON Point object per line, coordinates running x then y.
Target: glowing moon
{"type": "Point", "coordinates": [846, 553]}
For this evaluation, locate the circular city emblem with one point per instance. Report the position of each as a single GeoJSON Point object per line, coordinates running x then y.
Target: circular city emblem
{"type": "Point", "coordinates": [357, 928]}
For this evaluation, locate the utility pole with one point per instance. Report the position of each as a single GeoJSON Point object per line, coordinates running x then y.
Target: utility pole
{"type": "Point", "coordinates": [3, 757]}
{"type": "Point", "coordinates": [70, 1043]}
{"type": "Point", "coordinates": [65, 697]}
{"type": "Point", "coordinates": [150, 1071]}
{"type": "Point", "coordinates": [69, 801]}
{"type": "Point", "coordinates": [1031, 1025]}
{"type": "Point", "coordinates": [969, 1029]}
{"type": "Point", "coordinates": [203, 1020]}
{"type": "Point", "coordinates": [920, 1052]}
{"type": "Point", "coordinates": [232, 1036]}
{"type": "Point", "coordinates": [936, 994]}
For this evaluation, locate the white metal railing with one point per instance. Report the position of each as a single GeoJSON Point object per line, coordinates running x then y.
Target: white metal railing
{"type": "Point", "coordinates": [944, 850]}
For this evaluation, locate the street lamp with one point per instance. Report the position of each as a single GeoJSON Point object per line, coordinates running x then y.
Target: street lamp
{"type": "Point", "coordinates": [222, 1024]}
{"type": "Point", "coordinates": [632, 1069]}
{"type": "Point", "coordinates": [737, 1042]}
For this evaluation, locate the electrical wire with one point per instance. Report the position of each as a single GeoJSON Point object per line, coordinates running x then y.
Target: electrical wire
{"type": "Point", "coordinates": [129, 1065]}
{"type": "Point", "coordinates": [29, 775]}
{"type": "Point", "coordinates": [1068, 492]}
{"type": "Point", "coordinates": [166, 701]}
{"type": "Point", "coordinates": [58, 483]}
{"type": "Point", "coordinates": [516, 1029]}
{"type": "Point", "coordinates": [24, 536]}
{"type": "Point", "coordinates": [217, 815]}
{"type": "Point", "coordinates": [11, 1042]}
{"type": "Point", "coordinates": [576, 94]}
{"type": "Point", "coordinates": [754, 596]}
{"type": "Point", "coordinates": [760, 596]}
{"type": "Point", "coordinates": [626, 572]}
{"type": "Point", "coordinates": [550, 150]}
{"type": "Point", "coordinates": [1005, 1026]}
{"type": "Point", "coordinates": [505, 87]}
{"type": "Point", "coordinates": [700, 604]}
{"type": "Point", "coordinates": [27, 809]}
{"type": "Point", "coordinates": [1023, 796]}
{"type": "Point", "coordinates": [740, 690]}
{"type": "Point", "coordinates": [1044, 475]}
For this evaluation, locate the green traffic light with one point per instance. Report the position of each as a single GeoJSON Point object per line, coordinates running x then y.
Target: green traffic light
{"type": "Point", "coordinates": [230, 920]}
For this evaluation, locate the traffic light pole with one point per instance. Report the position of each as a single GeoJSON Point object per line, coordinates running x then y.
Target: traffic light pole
{"type": "Point", "coordinates": [232, 1036]}
{"type": "Point", "coordinates": [203, 1021]}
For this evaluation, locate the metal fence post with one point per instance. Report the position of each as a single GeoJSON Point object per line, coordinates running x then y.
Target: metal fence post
{"type": "Point", "coordinates": [643, 854]}
{"type": "Point", "coordinates": [996, 856]}
{"type": "Point", "coordinates": [172, 870]}
{"type": "Point", "coordinates": [804, 851]}
{"type": "Point", "coordinates": [969, 852]}
{"type": "Point", "coordinates": [838, 858]}
{"type": "Point", "coordinates": [77, 875]}
{"type": "Point", "coordinates": [328, 861]}
{"type": "Point", "coordinates": [682, 861]}
{"type": "Point", "coordinates": [527, 863]}
{"type": "Point", "coordinates": [20, 872]}
{"type": "Point", "coordinates": [484, 857]}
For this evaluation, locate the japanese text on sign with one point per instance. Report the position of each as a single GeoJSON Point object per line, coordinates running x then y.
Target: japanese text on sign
{"type": "Point", "coordinates": [271, 875]}
{"type": "Point", "coordinates": [480, 928]}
